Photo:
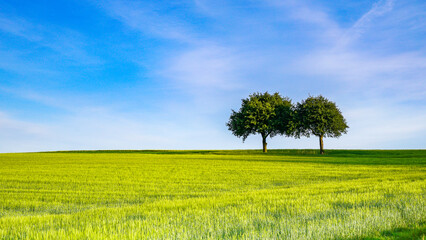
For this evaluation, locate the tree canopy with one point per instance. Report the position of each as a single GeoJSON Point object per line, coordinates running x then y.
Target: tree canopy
{"type": "Point", "coordinates": [264, 114]}
{"type": "Point", "coordinates": [320, 117]}
{"type": "Point", "coordinates": [270, 115]}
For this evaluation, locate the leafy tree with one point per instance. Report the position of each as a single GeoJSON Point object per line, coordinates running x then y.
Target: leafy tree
{"type": "Point", "coordinates": [285, 121]}
{"type": "Point", "coordinates": [261, 113]}
{"type": "Point", "coordinates": [320, 117]}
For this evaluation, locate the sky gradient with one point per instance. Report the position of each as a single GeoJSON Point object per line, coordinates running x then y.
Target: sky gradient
{"type": "Point", "coordinates": [166, 74]}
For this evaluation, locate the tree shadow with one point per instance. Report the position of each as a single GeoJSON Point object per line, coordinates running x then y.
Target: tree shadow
{"type": "Point", "coordinates": [414, 233]}
{"type": "Point", "coordinates": [341, 157]}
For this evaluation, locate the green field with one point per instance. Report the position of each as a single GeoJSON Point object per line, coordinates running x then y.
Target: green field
{"type": "Point", "coordinates": [284, 194]}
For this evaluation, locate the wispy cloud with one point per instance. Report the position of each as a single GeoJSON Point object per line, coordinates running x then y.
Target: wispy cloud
{"type": "Point", "coordinates": [355, 66]}
{"type": "Point", "coordinates": [69, 44]}
{"type": "Point", "coordinates": [382, 127]}
{"type": "Point", "coordinates": [175, 70]}
{"type": "Point", "coordinates": [201, 64]}
{"type": "Point", "coordinates": [314, 18]}
{"type": "Point", "coordinates": [103, 129]}
{"type": "Point", "coordinates": [16, 62]}
{"type": "Point", "coordinates": [10, 127]}
{"type": "Point", "coordinates": [379, 8]}
{"type": "Point", "coordinates": [207, 66]}
{"type": "Point", "coordinates": [350, 59]}
{"type": "Point", "coordinates": [148, 20]}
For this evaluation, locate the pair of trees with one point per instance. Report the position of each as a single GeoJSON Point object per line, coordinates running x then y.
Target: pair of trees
{"type": "Point", "coordinates": [271, 115]}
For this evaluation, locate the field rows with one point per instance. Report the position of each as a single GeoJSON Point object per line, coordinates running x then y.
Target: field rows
{"type": "Point", "coordinates": [211, 195]}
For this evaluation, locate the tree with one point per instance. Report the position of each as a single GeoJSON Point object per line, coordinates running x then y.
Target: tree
{"type": "Point", "coordinates": [261, 113]}
{"type": "Point", "coordinates": [320, 117]}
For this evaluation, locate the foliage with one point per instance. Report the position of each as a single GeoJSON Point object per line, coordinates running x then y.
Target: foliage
{"type": "Point", "coordinates": [320, 117]}
{"type": "Point", "coordinates": [285, 118]}
{"type": "Point", "coordinates": [261, 113]}
{"type": "Point", "coordinates": [287, 194]}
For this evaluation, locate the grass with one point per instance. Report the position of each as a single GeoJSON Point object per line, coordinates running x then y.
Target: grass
{"type": "Point", "coordinates": [285, 194]}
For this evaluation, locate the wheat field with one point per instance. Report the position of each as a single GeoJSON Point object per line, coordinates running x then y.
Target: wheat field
{"type": "Point", "coordinates": [284, 194]}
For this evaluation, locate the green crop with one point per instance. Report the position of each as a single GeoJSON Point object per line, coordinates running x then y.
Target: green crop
{"type": "Point", "coordinates": [285, 194]}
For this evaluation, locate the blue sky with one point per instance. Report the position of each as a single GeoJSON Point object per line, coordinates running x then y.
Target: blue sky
{"type": "Point", "coordinates": [166, 74]}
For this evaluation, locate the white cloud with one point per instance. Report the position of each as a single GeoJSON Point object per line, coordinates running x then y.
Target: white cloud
{"type": "Point", "coordinates": [314, 18]}
{"type": "Point", "coordinates": [208, 75]}
{"type": "Point", "coordinates": [206, 66]}
{"type": "Point", "coordinates": [142, 17]}
{"type": "Point", "coordinates": [10, 126]}
{"type": "Point", "coordinates": [380, 8]}
{"type": "Point", "coordinates": [70, 44]}
{"type": "Point", "coordinates": [15, 61]}
{"type": "Point", "coordinates": [360, 64]}
{"type": "Point", "coordinates": [384, 126]}
{"type": "Point", "coordinates": [93, 129]}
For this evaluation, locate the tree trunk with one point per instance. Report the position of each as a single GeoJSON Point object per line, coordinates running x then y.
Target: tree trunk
{"type": "Point", "coordinates": [264, 143]}
{"type": "Point", "coordinates": [321, 144]}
